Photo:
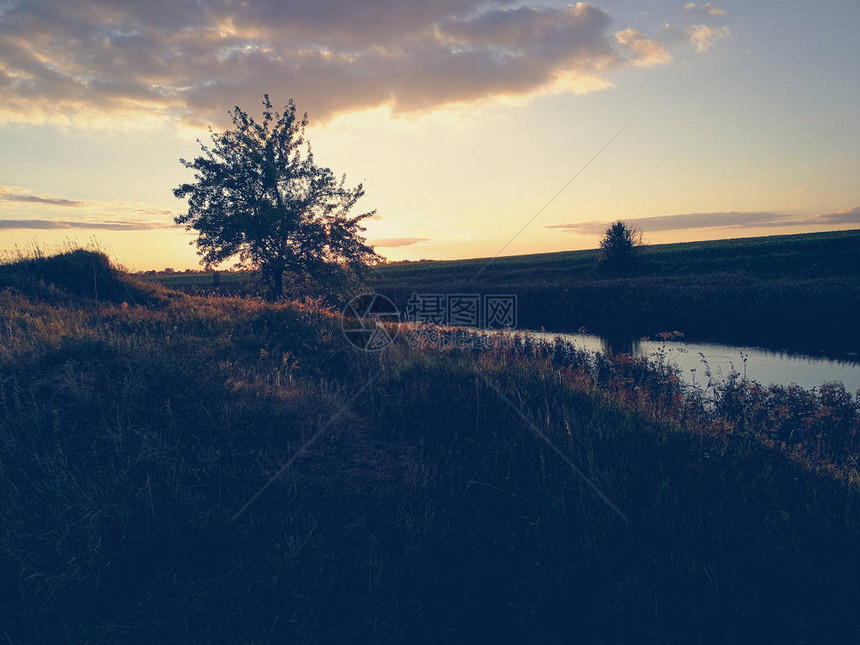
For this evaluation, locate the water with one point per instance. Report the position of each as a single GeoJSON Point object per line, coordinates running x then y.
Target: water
{"type": "Point", "coordinates": [764, 366]}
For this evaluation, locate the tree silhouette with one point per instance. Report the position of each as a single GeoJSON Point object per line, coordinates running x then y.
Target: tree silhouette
{"type": "Point", "coordinates": [258, 195]}
{"type": "Point", "coordinates": [618, 245]}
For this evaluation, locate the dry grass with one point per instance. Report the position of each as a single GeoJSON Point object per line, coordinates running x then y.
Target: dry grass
{"type": "Point", "coordinates": [130, 434]}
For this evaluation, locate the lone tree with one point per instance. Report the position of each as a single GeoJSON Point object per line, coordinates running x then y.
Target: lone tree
{"type": "Point", "coordinates": [258, 195]}
{"type": "Point", "coordinates": [618, 246]}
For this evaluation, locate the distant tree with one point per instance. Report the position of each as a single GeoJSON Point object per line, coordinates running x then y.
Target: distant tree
{"type": "Point", "coordinates": [618, 246]}
{"type": "Point", "coordinates": [259, 195]}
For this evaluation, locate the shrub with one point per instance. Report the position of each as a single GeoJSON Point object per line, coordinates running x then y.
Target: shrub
{"type": "Point", "coordinates": [618, 245]}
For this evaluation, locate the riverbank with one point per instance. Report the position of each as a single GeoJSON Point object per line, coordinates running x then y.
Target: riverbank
{"type": "Point", "coordinates": [799, 292]}
{"type": "Point", "coordinates": [525, 492]}
{"type": "Point", "coordinates": [699, 364]}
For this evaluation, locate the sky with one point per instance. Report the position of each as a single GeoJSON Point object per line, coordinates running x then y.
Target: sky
{"type": "Point", "coordinates": [476, 128]}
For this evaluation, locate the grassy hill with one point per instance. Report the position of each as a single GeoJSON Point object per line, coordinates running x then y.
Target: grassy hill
{"type": "Point", "coordinates": [416, 495]}
{"type": "Point", "coordinates": [76, 276]}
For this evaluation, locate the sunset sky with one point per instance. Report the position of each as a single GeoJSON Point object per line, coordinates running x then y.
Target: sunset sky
{"type": "Point", "coordinates": [461, 118]}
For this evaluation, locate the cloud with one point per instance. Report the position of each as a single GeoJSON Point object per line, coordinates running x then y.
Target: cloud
{"type": "Point", "coordinates": [706, 9]}
{"type": "Point", "coordinates": [646, 53]}
{"type": "Point", "coordinates": [846, 216]}
{"type": "Point", "coordinates": [36, 199]}
{"type": "Point", "coordinates": [24, 196]}
{"type": "Point", "coordinates": [729, 219]}
{"type": "Point", "coordinates": [91, 62]}
{"type": "Point", "coordinates": [45, 224]}
{"type": "Point", "coordinates": [393, 242]}
{"type": "Point", "coordinates": [704, 37]}
{"type": "Point", "coordinates": [95, 214]}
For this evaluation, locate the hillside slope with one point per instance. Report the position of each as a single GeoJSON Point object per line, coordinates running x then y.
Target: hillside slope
{"type": "Point", "coordinates": [422, 501]}
{"type": "Point", "coordinates": [810, 255]}
{"type": "Point", "coordinates": [77, 275]}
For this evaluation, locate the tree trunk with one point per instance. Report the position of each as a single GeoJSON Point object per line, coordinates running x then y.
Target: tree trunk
{"type": "Point", "coordinates": [277, 280]}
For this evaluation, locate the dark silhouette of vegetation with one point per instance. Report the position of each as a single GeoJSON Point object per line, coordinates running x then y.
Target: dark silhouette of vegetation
{"type": "Point", "coordinates": [786, 291]}
{"type": "Point", "coordinates": [76, 275]}
{"type": "Point", "coordinates": [427, 512]}
{"type": "Point", "coordinates": [618, 246]}
{"type": "Point", "coordinates": [259, 196]}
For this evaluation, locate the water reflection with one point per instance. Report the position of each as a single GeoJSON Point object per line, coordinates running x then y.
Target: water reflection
{"type": "Point", "coordinates": [613, 345]}
{"type": "Point", "coordinates": [700, 363]}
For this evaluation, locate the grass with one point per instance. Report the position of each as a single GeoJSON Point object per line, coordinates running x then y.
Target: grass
{"type": "Point", "coordinates": [796, 292]}
{"type": "Point", "coordinates": [131, 432]}
{"type": "Point", "coordinates": [810, 255]}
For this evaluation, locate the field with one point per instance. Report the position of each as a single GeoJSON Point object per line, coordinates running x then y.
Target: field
{"type": "Point", "coordinates": [523, 492]}
{"type": "Point", "coordinates": [799, 292]}
{"type": "Point", "coordinates": [813, 255]}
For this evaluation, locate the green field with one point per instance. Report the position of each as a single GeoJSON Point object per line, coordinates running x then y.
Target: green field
{"type": "Point", "coordinates": [417, 494]}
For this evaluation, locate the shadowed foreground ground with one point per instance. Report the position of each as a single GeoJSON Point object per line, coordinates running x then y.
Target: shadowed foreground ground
{"type": "Point", "coordinates": [133, 428]}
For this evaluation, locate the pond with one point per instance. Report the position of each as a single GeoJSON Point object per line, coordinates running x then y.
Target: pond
{"type": "Point", "coordinates": [762, 365]}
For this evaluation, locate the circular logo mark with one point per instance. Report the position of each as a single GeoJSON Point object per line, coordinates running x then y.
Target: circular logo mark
{"type": "Point", "coordinates": [369, 322]}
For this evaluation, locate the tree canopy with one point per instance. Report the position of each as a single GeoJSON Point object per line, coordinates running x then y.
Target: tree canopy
{"type": "Point", "coordinates": [618, 245]}
{"type": "Point", "coordinates": [259, 196]}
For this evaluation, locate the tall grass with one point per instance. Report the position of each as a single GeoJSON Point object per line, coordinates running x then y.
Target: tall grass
{"type": "Point", "coordinates": [131, 434]}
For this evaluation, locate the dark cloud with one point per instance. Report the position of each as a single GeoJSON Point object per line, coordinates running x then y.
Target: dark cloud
{"type": "Point", "coordinates": [194, 59]}
{"type": "Point", "coordinates": [393, 242]}
{"type": "Point", "coordinates": [45, 224]}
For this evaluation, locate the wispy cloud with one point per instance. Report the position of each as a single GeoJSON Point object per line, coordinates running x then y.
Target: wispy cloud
{"type": "Point", "coordinates": [646, 52]}
{"type": "Point", "coordinates": [36, 199]}
{"type": "Point", "coordinates": [704, 37]}
{"type": "Point", "coordinates": [729, 219]}
{"type": "Point", "coordinates": [847, 216]}
{"type": "Point", "coordinates": [19, 203]}
{"type": "Point", "coordinates": [393, 242]}
{"type": "Point", "coordinates": [18, 195]}
{"type": "Point", "coordinates": [193, 59]}
{"type": "Point", "coordinates": [706, 9]}
{"type": "Point", "coordinates": [102, 225]}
